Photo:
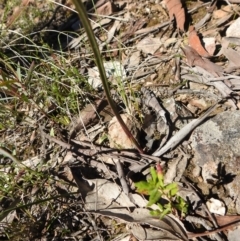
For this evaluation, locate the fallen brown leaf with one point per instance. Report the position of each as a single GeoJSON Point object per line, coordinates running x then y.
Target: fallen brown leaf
{"type": "Point", "coordinates": [176, 10]}
{"type": "Point", "coordinates": [194, 42]}
{"type": "Point", "coordinates": [232, 55]}
{"type": "Point", "coordinates": [194, 59]}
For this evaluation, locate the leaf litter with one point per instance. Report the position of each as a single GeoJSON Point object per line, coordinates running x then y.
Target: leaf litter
{"type": "Point", "coordinates": [97, 179]}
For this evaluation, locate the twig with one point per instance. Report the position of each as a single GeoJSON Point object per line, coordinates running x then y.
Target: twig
{"type": "Point", "coordinates": [153, 28]}
{"type": "Point", "coordinates": [195, 235]}
{"type": "Point", "coordinates": [104, 151]}
{"type": "Point", "coordinates": [177, 138]}
{"type": "Point", "coordinates": [121, 177]}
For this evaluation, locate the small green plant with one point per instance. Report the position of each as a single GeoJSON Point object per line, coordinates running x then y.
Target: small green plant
{"type": "Point", "coordinates": [157, 190]}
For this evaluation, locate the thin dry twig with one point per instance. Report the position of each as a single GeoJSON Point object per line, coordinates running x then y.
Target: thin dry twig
{"type": "Point", "coordinates": [177, 138]}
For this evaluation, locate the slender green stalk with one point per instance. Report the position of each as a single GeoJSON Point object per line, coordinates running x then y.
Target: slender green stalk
{"type": "Point", "coordinates": [98, 58]}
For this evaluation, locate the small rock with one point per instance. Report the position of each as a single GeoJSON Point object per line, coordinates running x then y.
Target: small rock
{"type": "Point", "coordinates": [234, 29]}
{"type": "Point", "coordinates": [233, 234]}
{"type": "Point", "coordinates": [117, 137]}
{"type": "Point", "coordinates": [216, 206]}
{"type": "Point", "coordinates": [216, 143]}
{"type": "Point", "coordinates": [209, 169]}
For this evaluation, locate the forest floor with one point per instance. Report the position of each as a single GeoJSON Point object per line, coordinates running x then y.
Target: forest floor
{"type": "Point", "coordinates": [69, 171]}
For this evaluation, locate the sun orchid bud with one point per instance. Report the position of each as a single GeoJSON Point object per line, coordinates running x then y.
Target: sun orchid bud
{"type": "Point", "coordinates": [159, 169]}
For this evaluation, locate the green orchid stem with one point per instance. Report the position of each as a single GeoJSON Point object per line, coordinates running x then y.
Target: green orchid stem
{"type": "Point", "coordinates": [86, 24]}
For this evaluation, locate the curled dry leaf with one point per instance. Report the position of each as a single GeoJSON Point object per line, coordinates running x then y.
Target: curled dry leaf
{"type": "Point", "coordinates": [195, 43]}
{"type": "Point", "coordinates": [167, 228]}
{"type": "Point", "coordinates": [176, 10]}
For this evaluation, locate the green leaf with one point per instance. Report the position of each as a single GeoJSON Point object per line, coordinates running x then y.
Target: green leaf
{"type": "Point", "coordinates": [160, 180]}
{"type": "Point", "coordinates": [19, 73]}
{"type": "Point", "coordinates": [170, 186]}
{"type": "Point", "coordinates": [154, 175]}
{"type": "Point", "coordinates": [144, 187]}
{"type": "Point", "coordinates": [181, 205]}
{"type": "Point", "coordinates": [160, 206]}
{"type": "Point", "coordinates": [173, 191]}
{"type": "Point", "coordinates": [165, 212]}
{"type": "Point", "coordinates": [155, 213]}
{"type": "Point", "coordinates": [155, 195]}
{"type": "Point", "coordinates": [168, 206]}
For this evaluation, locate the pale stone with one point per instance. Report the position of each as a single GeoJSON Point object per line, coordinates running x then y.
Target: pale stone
{"type": "Point", "coordinates": [234, 29]}
{"type": "Point", "coordinates": [117, 137]}
{"type": "Point", "coordinates": [216, 146]}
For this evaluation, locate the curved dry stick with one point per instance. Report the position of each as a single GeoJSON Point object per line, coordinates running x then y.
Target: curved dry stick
{"type": "Point", "coordinates": [179, 136]}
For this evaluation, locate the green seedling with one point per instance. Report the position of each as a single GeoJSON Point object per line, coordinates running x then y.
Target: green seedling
{"type": "Point", "coordinates": [160, 193]}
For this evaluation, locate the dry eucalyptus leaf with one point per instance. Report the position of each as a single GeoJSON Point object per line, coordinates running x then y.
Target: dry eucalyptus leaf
{"type": "Point", "coordinates": [195, 59]}
{"type": "Point", "coordinates": [225, 220]}
{"type": "Point", "coordinates": [171, 173]}
{"type": "Point", "coordinates": [210, 45]}
{"type": "Point", "coordinates": [105, 194]}
{"type": "Point", "coordinates": [176, 10]}
{"type": "Point", "coordinates": [134, 59]}
{"type": "Point", "coordinates": [195, 43]}
{"type": "Point", "coordinates": [180, 135]}
{"type": "Point", "coordinates": [149, 45]}
{"type": "Point", "coordinates": [221, 13]}
{"type": "Point", "coordinates": [232, 55]}
{"type": "Point", "coordinates": [162, 126]}
{"type": "Point", "coordinates": [168, 228]}
{"type": "Point", "coordinates": [87, 116]}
